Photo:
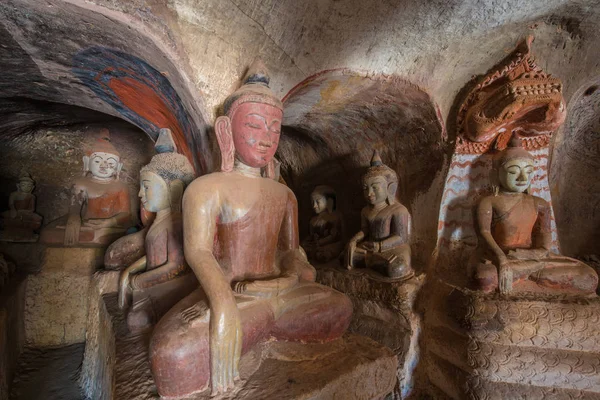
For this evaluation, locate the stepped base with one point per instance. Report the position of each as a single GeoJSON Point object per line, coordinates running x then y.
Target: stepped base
{"type": "Point", "coordinates": [383, 311]}
{"type": "Point", "coordinates": [517, 347]}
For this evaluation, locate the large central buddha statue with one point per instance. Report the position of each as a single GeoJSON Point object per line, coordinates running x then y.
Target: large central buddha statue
{"type": "Point", "coordinates": [515, 253]}
{"type": "Point", "coordinates": [241, 240]}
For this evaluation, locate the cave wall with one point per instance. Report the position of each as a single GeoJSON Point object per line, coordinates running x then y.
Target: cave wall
{"type": "Point", "coordinates": [574, 174]}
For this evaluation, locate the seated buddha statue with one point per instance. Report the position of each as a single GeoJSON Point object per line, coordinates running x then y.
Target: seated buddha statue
{"type": "Point", "coordinates": [240, 238]}
{"type": "Point", "coordinates": [514, 249]}
{"type": "Point", "coordinates": [324, 241]}
{"type": "Point", "coordinates": [20, 222]}
{"type": "Point", "coordinates": [383, 242]}
{"type": "Point", "coordinates": [99, 210]}
{"type": "Point", "coordinates": [151, 285]}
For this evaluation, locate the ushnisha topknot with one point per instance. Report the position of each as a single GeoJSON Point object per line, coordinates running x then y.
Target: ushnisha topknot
{"type": "Point", "coordinates": [255, 89]}
{"type": "Point", "coordinates": [101, 144]}
{"type": "Point", "coordinates": [378, 168]}
{"type": "Point", "coordinates": [168, 164]}
{"type": "Point", "coordinates": [513, 151]}
{"type": "Point", "coordinates": [25, 176]}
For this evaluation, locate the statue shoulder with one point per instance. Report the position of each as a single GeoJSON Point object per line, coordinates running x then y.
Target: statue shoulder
{"type": "Point", "coordinates": [539, 202]}
{"type": "Point", "coordinates": [209, 183]}
{"type": "Point", "coordinates": [399, 208]}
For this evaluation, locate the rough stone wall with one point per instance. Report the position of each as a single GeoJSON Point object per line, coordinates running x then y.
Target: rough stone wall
{"type": "Point", "coordinates": [574, 174]}
{"type": "Point", "coordinates": [12, 332]}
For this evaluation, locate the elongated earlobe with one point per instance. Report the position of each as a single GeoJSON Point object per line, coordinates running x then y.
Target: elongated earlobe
{"type": "Point", "coordinates": [225, 140]}
{"type": "Point", "coordinates": [119, 168]}
{"type": "Point", "coordinates": [86, 165]}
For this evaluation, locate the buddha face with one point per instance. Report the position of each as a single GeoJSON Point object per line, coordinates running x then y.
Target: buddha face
{"type": "Point", "coordinates": [375, 189]}
{"type": "Point", "coordinates": [319, 203]}
{"type": "Point", "coordinates": [25, 186]}
{"type": "Point", "coordinates": [256, 128]}
{"type": "Point", "coordinates": [103, 165]}
{"type": "Point", "coordinates": [515, 175]}
{"type": "Point", "coordinates": [154, 192]}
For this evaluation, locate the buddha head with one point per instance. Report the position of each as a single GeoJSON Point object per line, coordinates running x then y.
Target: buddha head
{"type": "Point", "coordinates": [26, 183]}
{"type": "Point", "coordinates": [514, 167]}
{"type": "Point", "coordinates": [164, 179]}
{"type": "Point", "coordinates": [102, 159]}
{"type": "Point", "coordinates": [250, 129]}
{"type": "Point", "coordinates": [323, 198]}
{"type": "Point", "coordinates": [380, 182]}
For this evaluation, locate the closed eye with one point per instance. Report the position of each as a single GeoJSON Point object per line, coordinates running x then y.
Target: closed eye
{"type": "Point", "coordinates": [253, 126]}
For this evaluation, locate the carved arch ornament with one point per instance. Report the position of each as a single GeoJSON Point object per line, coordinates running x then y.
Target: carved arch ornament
{"type": "Point", "coordinates": [516, 96]}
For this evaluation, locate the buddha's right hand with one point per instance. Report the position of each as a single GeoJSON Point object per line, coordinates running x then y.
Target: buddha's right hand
{"type": "Point", "coordinates": [225, 344]}
{"type": "Point", "coordinates": [505, 278]}
{"type": "Point", "coordinates": [72, 230]}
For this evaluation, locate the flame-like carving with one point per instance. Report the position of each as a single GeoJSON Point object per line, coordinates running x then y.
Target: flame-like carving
{"type": "Point", "coordinates": [515, 97]}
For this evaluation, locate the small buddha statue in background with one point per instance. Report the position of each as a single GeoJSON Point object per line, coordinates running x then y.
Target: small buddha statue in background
{"type": "Point", "coordinates": [383, 243]}
{"type": "Point", "coordinates": [20, 222]}
{"type": "Point", "coordinates": [99, 211]}
{"type": "Point", "coordinates": [516, 239]}
{"type": "Point", "coordinates": [324, 241]}
{"type": "Point", "coordinates": [150, 286]}
{"type": "Point", "coordinates": [241, 240]}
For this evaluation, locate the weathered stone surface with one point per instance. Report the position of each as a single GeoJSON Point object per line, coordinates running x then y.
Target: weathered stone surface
{"type": "Point", "coordinates": [56, 305]}
{"type": "Point", "coordinates": [97, 371]}
{"type": "Point", "coordinates": [383, 311]}
{"type": "Point", "coordinates": [48, 373]}
{"type": "Point", "coordinates": [493, 346]}
{"type": "Point", "coordinates": [12, 334]}
{"type": "Point", "coordinates": [353, 367]}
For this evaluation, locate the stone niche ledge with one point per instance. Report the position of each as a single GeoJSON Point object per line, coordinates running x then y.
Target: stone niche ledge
{"type": "Point", "coordinates": [384, 312]}
{"type": "Point", "coordinates": [116, 364]}
{"type": "Point", "coordinates": [517, 347]}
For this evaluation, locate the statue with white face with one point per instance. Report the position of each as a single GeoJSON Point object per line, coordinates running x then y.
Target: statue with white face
{"type": "Point", "coordinates": [99, 210]}
{"type": "Point", "coordinates": [516, 238]}
{"type": "Point", "coordinates": [152, 284]}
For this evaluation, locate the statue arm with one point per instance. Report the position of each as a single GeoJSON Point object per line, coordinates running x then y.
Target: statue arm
{"type": "Point", "coordinates": [170, 269]}
{"type": "Point", "coordinates": [484, 222]}
{"type": "Point", "coordinates": [364, 228]}
{"type": "Point", "coordinates": [398, 231]}
{"type": "Point", "coordinates": [201, 206]}
{"type": "Point", "coordinates": [125, 279]}
{"type": "Point", "coordinates": [542, 230]}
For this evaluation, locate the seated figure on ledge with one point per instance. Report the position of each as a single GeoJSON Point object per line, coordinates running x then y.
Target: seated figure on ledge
{"type": "Point", "coordinates": [20, 222]}
{"type": "Point", "coordinates": [99, 211]}
{"type": "Point", "coordinates": [516, 237]}
{"type": "Point", "coordinates": [241, 241]}
{"type": "Point", "coordinates": [324, 241]}
{"type": "Point", "coordinates": [159, 279]}
{"type": "Point", "coordinates": [383, 243]}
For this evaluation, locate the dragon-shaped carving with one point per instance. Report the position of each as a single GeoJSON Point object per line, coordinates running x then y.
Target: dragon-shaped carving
{"type": "Point", "coordinates": [515, 97]}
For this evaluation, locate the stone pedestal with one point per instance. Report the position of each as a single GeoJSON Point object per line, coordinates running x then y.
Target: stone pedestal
{"type": "Point", "coordinates": [56, 306]}
{"type": "Point", "coordinates": [12, 304]}
{"type": "Point", "coordinates": [383, 311]}
{"type": "Point", "coordinates": [116, 364]}
{"type": "Point", "coordinates": [505, 347]}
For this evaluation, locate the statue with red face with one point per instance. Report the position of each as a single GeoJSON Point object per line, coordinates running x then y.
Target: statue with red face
{"type": "Point", "coordinates": [240, 234]}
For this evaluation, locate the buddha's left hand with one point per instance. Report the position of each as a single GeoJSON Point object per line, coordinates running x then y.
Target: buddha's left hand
{"type": "Point", "coordinates": [370, 246]}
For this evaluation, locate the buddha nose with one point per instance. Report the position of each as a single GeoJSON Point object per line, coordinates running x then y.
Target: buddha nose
{"type": "Point", "coordinates": [140, 193]}
{"type": "Point", "coordinates": [523, 176]}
